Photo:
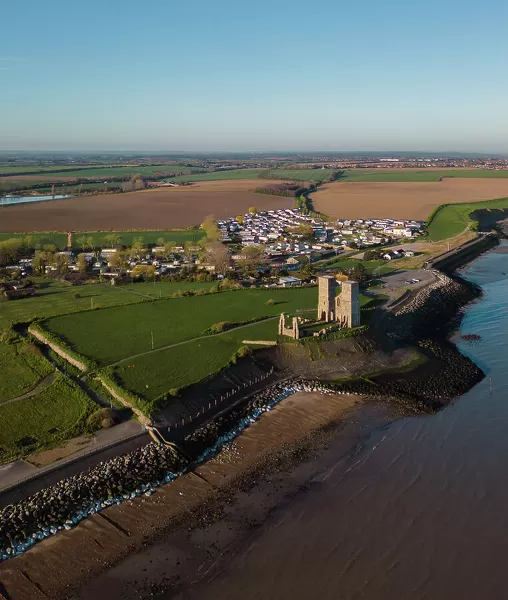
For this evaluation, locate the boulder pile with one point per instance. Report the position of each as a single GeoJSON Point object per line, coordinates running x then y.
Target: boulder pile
{"type": "Point", "coordinates": [65, 504]}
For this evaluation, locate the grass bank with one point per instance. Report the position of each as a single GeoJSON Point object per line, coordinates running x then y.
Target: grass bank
{"type": "Point", "coordinates": [451, 219]}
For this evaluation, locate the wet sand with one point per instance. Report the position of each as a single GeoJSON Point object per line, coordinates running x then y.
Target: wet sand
{"type": "Point", "coordinates": [267, 451]}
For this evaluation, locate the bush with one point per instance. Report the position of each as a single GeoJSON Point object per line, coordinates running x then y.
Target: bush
{"type": "Point", "coordinates": [270, 302]}
{"type": "Point", "coordinates": [219, 327]}
{"type": "Point", "coordinates": [244, 351]}
{"type": "Point", "coordinates": [103, 418]}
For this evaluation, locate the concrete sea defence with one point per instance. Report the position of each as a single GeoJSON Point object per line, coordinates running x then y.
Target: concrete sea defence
{"type": "Point", "coordinates": [65, 504]}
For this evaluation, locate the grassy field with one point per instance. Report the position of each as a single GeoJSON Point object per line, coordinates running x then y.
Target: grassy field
{"type": "Point", "coordinates": [371, 266]}
{"type": "Point", "coordinates": [95, 171]}
{"type": "Point", "coordinates": [56, 298]}
{"type": "Point", "coordinates": [57, 413]}
{"type": "Point", "coordinates": [38, 240]}
{"type": "Point", "coordinates": [127, 330]}
{"type": "Point", "coordinates": [59, 298]}
{"type": "Point", "coordinates": [16, 169]}
{"type": "Point", "coordinates": [22, 367]}
{"type": "Point", "coordinates": [312, 175]}
{"type": "Point", "coordinates": [179, 236]}
{"type": "Point", "coordinates": [419, 174]}
{"type": "Point", "coordinates": [153, 375]}
{"type": "Point", "coordinates": [452, 219]}
{"type": "Point", "coordinates": [222, 175]}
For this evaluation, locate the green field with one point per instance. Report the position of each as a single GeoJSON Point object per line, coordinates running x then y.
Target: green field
{"type": "Point", "coordinates": [418, 174]}
{"type": "Point", "coordinates": [179, 236]}
{"type": "Point", "coordinates": [21, 368]}
{"type": "Point", "coordinates": [222, 175]}
{"type": "Point", "coordinates": [311, 175]}
{"type": "Point", "coordinates": [314, 175]}
{"type": "Point", "coordinates": [371, 266]}
{"type": "Point", "coordinates": [153, 375]}
{"type": "Point", "coordinates": [60, 298]}
{"type": "Point", "coordinates": [56, 298]}
{"type": "Point", "coordinates": [126, 330]}
{"type": "Point", "coordinates": [96, 171]}
{"type": "Point", "coordinates": [452, 219]}
{"type": "Point", "coordinates": [46, 419]}
{"type": "Point", "coordinates": [16, 170]}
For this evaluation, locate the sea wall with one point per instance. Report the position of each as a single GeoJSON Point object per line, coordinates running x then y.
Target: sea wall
{"type": "Point", "coordinates": [458, 257]}
{"type": "Point", "coordinates": [64, 505]}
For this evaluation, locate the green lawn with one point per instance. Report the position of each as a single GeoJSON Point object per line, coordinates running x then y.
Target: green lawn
{"type": "Point", "coordinates": [126, 330]}
{"type": "Point", "coordinates": [179, 236]}
{"type": "Point", "coordinates": [153, 375]}
{"type": "Point", "coordinates": [21, 368]}
{"type": "Point", "coordinates": [452, 219]}
{"type": "Point", "coordinates": [418, 174]}
{"type": "Point", "coordinates": [57, 413]}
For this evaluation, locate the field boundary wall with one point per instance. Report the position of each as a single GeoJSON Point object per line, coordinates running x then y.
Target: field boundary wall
{"type": "Point", "coordinates": [38, 334]}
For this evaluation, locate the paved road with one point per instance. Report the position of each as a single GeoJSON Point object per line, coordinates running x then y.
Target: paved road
{"type": "Point", "coordinates": [38, 388]}
{"type": "Point", "coordinates": [107, 443]}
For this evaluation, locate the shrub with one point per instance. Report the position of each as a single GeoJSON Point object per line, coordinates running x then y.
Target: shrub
{"type": "Point", "coordinates": [103, 418]}
{"type": "Point", "coordinates": [244, 351]}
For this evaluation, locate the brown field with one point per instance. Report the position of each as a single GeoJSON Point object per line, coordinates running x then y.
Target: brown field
{"type": "Point", "coordinates": [403, 200]}
{"type": "Point", "coordinates": [166, 208]}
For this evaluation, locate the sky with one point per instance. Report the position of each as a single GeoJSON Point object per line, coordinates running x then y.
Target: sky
{"type": "Point", "coordinates": [205, 75]}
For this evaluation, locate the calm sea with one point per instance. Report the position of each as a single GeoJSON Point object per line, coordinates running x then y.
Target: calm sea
{"type": "Point", "coordinates": [421, 512]}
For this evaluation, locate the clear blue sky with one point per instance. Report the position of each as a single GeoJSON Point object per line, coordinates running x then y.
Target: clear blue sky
{"type": "Point", "coordinates": [263, 75]}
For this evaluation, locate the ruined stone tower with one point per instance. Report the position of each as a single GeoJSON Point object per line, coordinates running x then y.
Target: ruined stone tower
{"type": "Point", "coordinates": [347, 309]}
{"type": "Point", "coordinates": [293, 331]}
{"type": "Point", "coordinates": [326, 300]}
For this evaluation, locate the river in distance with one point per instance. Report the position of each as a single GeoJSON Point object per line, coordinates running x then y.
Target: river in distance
{"type": "Point", "coordinates": [9, 200]}
{"type": "Point", "coordinates": [421, 512]}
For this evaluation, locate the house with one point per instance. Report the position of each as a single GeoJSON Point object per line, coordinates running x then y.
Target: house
{"type": "Point", "coordinates": [292, 261]}
{"type": "Point", "coordinates": [409, 253]}
{"type": "Point", "coordinates": [289, 281]}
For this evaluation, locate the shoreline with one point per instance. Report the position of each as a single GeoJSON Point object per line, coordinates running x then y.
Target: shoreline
{"type": "Point", "coordinates": [284, 435]}
{"type": "Point", "coordinates": [111, 534]}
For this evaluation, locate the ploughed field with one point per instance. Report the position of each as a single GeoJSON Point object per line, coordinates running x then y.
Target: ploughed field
{"type": "Point", "coordinates": [403, 200]}
{"type": "Point", "coordinates": [163, 208]}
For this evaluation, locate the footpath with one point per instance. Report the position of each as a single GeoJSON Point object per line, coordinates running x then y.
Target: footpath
{"type": "Point", "coordinates": [20, 478]}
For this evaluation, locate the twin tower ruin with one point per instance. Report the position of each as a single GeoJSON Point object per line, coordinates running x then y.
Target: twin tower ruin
{"type": "Point", "coordinates": [343, 309]}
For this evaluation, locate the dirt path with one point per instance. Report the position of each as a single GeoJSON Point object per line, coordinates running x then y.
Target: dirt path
{"type": "Point", "coordinates": [38, 388]}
